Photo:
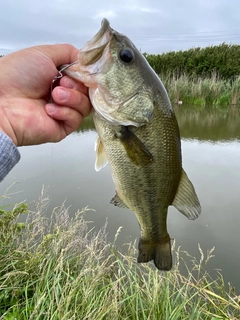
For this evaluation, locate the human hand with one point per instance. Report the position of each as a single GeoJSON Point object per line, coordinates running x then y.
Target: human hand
{"type": "Point", "coordinates": [25, 78]}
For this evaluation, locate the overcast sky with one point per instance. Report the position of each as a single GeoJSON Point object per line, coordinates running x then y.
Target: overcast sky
{"type": "Point", "coordinates": [154, 26]}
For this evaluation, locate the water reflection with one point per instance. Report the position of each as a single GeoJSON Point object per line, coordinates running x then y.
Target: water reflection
{"type": "Point", "coordinates": [209, 123]}
{"type": "Point", "coordinates": [211, 157]}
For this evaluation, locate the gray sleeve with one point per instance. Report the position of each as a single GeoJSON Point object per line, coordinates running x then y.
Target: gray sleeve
{"type": "Point", "coordinates": [9, 155]}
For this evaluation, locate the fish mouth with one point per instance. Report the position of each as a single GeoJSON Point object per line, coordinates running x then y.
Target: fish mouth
{"type": "Point", "coordinates": [99, 35]}
{"type": "Point", "coordinates": [94, 48]}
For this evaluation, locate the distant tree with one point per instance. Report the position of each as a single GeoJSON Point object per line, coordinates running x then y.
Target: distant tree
{"type": "Point", "coordinates": [223, 59]}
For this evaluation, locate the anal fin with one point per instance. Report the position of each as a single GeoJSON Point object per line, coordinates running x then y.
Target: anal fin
{"type": "Point", "coordinates": [117, 201]}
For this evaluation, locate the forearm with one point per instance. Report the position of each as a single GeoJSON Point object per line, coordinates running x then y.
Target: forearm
{"type": "Point", "coordinates": [9, 155]}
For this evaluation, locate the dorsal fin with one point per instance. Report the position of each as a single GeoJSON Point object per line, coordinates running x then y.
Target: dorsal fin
{"type": "Point", "coordinates": [186, 200]}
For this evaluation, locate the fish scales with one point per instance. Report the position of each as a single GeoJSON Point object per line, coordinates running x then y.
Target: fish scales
{"type": "Point", "coordinates": [147, 190]}
{"type": "Point", "coordinates": [138, 136]}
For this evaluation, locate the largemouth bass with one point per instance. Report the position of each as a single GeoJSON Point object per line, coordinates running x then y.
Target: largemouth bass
{"type": "Point", "coordinates": [138, 136]}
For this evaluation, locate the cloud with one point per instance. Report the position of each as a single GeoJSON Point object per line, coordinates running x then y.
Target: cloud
{"type": "Point", "coordinates": [153, 26]}
{"type": "Point", "coordinates": [105, 14]}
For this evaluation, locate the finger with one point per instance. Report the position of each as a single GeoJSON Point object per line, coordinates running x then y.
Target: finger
{"type": "Point", "coordinates": [59, 53]}
{"type": "Point", "coordinates": [71, 119]}
{"type": "Point", "coordinates": [72, 99]}
{"type": "Point", "coordinates": [73, 84]}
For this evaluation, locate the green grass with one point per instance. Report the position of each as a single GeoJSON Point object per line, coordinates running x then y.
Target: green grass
{"type": "Point", "coordinates": [61, 268]}
{"type": "Point", "coordinates": [202, 91]}
{"type": "Point", "coordinates": [223, 59]}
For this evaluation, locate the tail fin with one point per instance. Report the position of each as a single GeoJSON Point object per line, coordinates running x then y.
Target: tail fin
{"type": "Point", "coordinates": [159, 252]}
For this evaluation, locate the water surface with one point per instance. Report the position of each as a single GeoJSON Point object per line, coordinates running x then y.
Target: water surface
{"type": "Point", "coordinates": [211, 158]}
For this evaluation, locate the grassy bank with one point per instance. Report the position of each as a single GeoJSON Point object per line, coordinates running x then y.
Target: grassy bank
{"type": "Point", "coordinates": [200, 76]}
{"type": "Point", "coordinates": [60, 268]}
{"type": "Point", "coordinates": [202, 91]}
{"type": "Point", "coordinates": [222, 59]}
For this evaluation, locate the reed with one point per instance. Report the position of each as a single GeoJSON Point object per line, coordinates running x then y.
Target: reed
{"type": "Point", "coordinates": [223, 59]}
{"type": "Point", "coordinates": [61, 268]}
{"type": "Point", "coordinates": [200, 76]}
{"type": "Point", "coordinates": [200, 91]}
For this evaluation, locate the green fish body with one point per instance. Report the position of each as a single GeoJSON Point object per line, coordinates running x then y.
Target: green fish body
{"type": "Point", "coordinates": [138, 136]}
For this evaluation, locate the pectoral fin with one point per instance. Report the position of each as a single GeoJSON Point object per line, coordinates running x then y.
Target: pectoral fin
{"type": "Point", "coordinates": [186, 200]}
{"type": "Point", "coordinates": [101, 158]}
{"type": "Point", "coordinates": [136, 150]}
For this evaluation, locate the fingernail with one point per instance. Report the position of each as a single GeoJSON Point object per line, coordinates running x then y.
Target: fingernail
{"type": "Point", "coordinates": [62, 94]}
{"type": "Point", "coordinates": [50, 108]}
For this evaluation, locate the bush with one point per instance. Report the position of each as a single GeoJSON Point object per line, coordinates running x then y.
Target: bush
{"type": "Point", "coordinates": [222, 59]}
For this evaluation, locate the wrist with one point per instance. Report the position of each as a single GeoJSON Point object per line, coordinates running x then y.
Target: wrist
{"type": "Point", "coordinates": [9, 155]}
{"type": "Point", "coordinates": [5, 125]}
{"type": "Point", "coordinates": [9, 134]}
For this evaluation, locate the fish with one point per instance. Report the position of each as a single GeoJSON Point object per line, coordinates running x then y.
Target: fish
{"type": "Point", "coordinates": [138, 135]}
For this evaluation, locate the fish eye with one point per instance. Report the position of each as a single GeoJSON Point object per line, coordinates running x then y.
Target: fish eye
{"type": "Point", "coordinates": [126, 55]}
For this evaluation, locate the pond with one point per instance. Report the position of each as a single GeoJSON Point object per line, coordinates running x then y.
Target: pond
{"type": "Point", "coordinates": [211, 158]}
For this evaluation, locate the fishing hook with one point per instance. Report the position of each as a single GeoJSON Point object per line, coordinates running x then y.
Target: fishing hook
{"type": "Point", "coordinates": [60, 75]}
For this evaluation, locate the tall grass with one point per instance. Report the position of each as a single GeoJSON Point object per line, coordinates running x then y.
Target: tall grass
{"type": "Point", "coordinates": [223, 59]}
{"type": "Point", "coordinates": [202, 91]}
{"type": "Point", "coordinates": [61, 268]}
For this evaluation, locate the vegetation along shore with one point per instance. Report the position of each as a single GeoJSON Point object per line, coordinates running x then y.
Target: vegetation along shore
{"type": "Point", "coordinates": [200, 76]}
{"type": "Point", "coordinates": [60, 268]}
